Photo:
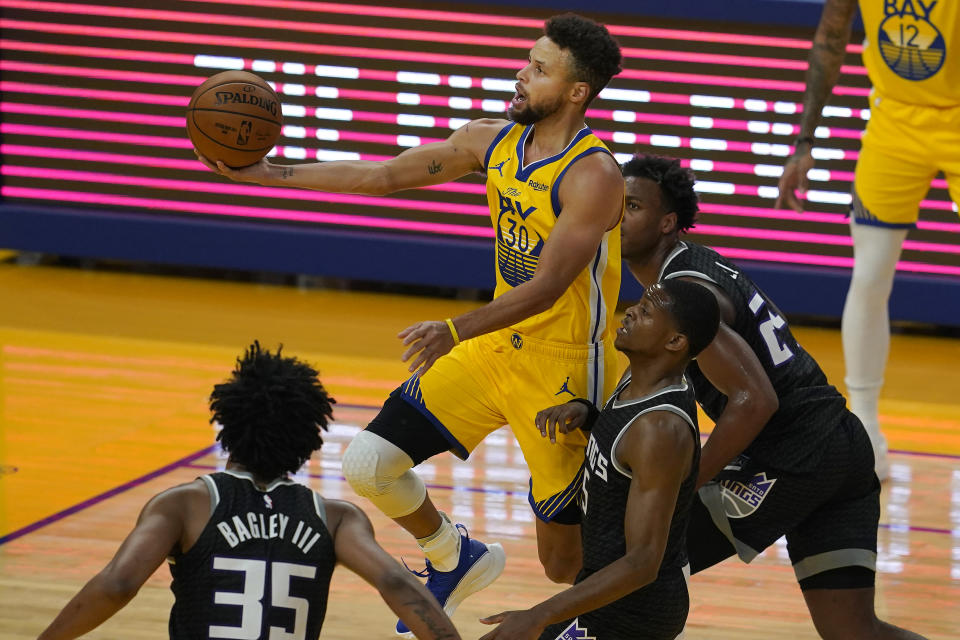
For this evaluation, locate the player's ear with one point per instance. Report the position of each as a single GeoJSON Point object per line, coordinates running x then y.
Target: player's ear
{"type": "Point", "coordinates": [677, 343]}
{"type": "Point", "coordinates": [668, 223]}
{"type": "Point", "coordinates": [580, 93]}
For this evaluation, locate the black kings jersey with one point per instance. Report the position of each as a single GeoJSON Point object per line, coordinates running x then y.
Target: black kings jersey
{"type": "Point", "coordinates": [810, 408]}
{"type": "Point", "coordinates": [659, 607]}
{"type": "Point", "coordinates": [261, 567]}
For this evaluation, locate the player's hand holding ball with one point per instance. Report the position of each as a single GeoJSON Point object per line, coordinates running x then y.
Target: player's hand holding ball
{"type": "Point", "coordinates": [234, 119]}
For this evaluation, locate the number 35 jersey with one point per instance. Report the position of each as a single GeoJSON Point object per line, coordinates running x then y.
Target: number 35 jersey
{"type": "Point", "coordinates": [810, 408]}
{"type": "Point", "coordinates": [524, 206]}
{"type": "Point", "coordinates": [261, 567]}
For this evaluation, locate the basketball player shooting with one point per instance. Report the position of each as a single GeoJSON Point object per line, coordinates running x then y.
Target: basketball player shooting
{"type": "Point", "coordinates": [556, 199]}
{"type": "Point", "coordinates": [640, 474]}
{"type": "Point", "coordinates": [251, 552]}
{"type": "Point", "coordinates": [785, 457]}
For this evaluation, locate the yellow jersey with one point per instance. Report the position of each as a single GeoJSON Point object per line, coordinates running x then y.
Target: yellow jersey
{"type": "Point", "coordinates": [908, 50]}
{"type": "Point", "coordinates": [524, 206]}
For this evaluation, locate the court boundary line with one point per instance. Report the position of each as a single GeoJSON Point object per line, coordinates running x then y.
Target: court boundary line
{"type": "Point", "coordinates": [89, 502]}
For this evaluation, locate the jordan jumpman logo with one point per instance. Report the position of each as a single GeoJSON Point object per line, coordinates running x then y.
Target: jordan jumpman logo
{"type": "Point", "coordinates": [499, 167]}
{"type": "Point", "coordinates": [565, 389]}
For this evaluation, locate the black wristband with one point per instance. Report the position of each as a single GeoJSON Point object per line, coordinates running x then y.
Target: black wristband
{"type": "Point", "coordinates": [808, 139]}
{"type": "Point", "coordinates": [592, 413]}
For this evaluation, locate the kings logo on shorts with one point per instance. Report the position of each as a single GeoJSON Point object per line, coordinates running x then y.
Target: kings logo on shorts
{"type": "Point", "coordinates": [909, 42]}
{"type": "Point", "coordinates": [575, 632]}
{"type": "Point", "coordinates": [741, 499]}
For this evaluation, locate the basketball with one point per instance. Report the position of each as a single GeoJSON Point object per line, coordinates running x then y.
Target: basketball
{"type": "Point", "coordinates": [234, 117]}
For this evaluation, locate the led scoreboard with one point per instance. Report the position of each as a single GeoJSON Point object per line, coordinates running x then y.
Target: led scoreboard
{"type": "Point", "coordinates": [94, 95]}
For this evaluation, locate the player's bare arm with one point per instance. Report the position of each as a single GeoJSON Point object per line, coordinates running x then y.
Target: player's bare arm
{"type": "Point", "coordinates": [357, 549]}
{"type": "Point", "coordinates": [658, 450]}
{"type": "Point", "coordinates": [733, 368]}
{"type": "Point", "coordinates": [160, 530]}
{"type": "Point", "coordinates": [591, 198]}
{"type": "Point", "coordinates": [434, 163]}
{"type": "Point", "coordinates": [825, 60]}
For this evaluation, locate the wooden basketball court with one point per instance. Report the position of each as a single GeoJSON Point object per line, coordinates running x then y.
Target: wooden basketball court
{"type": "Point", "coordinates": [103, 385]}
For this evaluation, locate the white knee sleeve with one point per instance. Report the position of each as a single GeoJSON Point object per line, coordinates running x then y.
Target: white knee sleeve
{"type": "Point", "coordinates": [866, 322]}
{"type": "Point", "coordinates": [381, 471]}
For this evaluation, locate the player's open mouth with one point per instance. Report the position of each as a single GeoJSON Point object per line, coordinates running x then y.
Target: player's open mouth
{"type": "Point", "coordinates": [518, 99]}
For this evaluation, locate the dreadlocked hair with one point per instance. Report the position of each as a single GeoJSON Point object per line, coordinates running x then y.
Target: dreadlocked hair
{"type": "Point", "coordinates": [271, 410]}
{"type": "Point", "coordinates": [676, 185]}
{"type": "Point", "coordinates": [596, 55]}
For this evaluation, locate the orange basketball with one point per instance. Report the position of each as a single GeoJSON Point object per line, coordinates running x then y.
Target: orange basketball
{"type": "Point", "coordinates": [235, 117]}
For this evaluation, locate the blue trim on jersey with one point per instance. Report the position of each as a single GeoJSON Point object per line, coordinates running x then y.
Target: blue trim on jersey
{"type": "Point", "coordinates": [547, 509]}
{"type": "Point", "coordinates": [873, 222]}
{"type": "Point", "coordinates": [411, 393]}
{"type": "Point", "coordinates": [555, 191]}
{"type": "Point", "coordinates": [523, 172]}
{"type": "Point", "coordinates": [596, 399]}
{"type": "Point", "coordinates": [496, 141]}
{"type": "Point", "coordinates": [596, 283]}
{"type": "Point", "coordinates": [863, 216]}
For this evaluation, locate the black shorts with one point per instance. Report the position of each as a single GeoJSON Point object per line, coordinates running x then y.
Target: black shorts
{"type": "Point", "coordinates": [402, 425]}
{"type": "Point", "coordinates": [828, 515]}
{"type": "Point", "coordinates": [658, 611]}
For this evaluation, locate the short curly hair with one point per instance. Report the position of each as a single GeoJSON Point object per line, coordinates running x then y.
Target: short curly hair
{"type": "Point", "coordinates": [676, 185]}
{"type": "Point", "coordinates": [596, 55]}
{"type": "Point", "coordinates": [271, 411]}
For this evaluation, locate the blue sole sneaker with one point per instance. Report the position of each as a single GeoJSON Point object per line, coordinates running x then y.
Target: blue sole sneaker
{"type": "Point", "coordinates": [479, 565]}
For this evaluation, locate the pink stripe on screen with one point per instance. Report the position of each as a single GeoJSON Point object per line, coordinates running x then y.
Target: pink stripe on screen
{"type": "Point", "coordinates": [103, 74]}
{"type": "Point", "coordinates": [190, 165]}
{"type": "Point", "coordinates": [99, 52]}
{"type": "Point", "coordinates": [99, 156]}
{"type": "Point", "coordinates": [80, 197]}
{"type": "Point", "coordinates": [94, 94]}
{"type": "Point", "coordinates": [102, 136]}
{"type": "Point", "coordinates": [93, 114]}
{"type": "Point", "coordinates": [821, 238]}
{"type": "Point", "coordinates": [234, 189]}
{"type": "Point", "coordinates": [771, 214]}
{"type": "Point", "coordinates": [830, 261]}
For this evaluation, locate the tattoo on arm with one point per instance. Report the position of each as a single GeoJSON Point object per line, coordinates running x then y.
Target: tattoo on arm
{"type": "Point", "coordinates": [426, 613]}
{"type": "Point", "coordinates": [286, 173]}
{"type": "Point", "coordinates": [434, 168]}
{"type": "Point", "coordinates": [825, 60]}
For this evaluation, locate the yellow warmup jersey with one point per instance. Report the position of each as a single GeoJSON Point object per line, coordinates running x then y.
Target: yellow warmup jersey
{"type": "Point", "coordinates": [524, 205]}
{"type": "Point", "coordinates": [912, 50]}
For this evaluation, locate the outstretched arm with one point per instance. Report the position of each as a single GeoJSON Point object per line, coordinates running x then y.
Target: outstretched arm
{"type": "Point", "coordinates": [434, 163]}
{"type": "Point", "coordinates": [157, 532]}
{"type": "Point", "coordinates": [658, 449]}
{"type": "Point", "coordinates": [825, 59]}
{"type": "Point", "coordinates": [357, 549]}
{"type": "Point", "coordinates": [591, 196]}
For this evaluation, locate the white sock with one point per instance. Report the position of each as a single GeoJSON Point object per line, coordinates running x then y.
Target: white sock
{"type": "Point", "coordinates": [866, 322]}
{"type": "Point", "coordinates": [442, 547]}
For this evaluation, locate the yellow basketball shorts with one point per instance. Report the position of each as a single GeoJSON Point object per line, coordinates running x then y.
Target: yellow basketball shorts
{"type": "Point", "coordinates": [904, 147]}
{"type": "Point", "coordinates": [506, 378]}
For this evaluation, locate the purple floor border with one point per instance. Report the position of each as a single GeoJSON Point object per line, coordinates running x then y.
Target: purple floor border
{"type": "Point", "coordinates": [60, 515]}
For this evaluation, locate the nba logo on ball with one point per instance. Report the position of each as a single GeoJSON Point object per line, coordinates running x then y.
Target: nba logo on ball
{"type": "Point", "coordinates": [741, 499]}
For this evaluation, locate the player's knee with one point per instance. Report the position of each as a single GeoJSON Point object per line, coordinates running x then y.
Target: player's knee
{"type": "Point", "coordinates": [380, 471]}
{"type": "Point", "coordinates": [371, 464]}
